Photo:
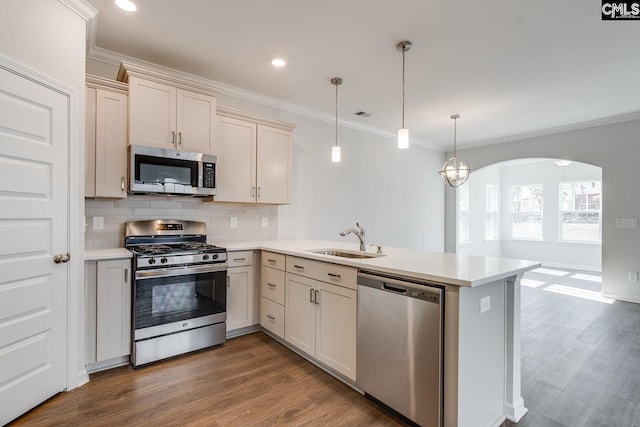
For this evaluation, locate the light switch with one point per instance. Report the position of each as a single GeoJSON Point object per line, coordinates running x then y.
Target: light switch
{"type": "Point", "coordinates": [633, 276]}
{"type": "Point", "coordinates": [233, 222]}
{"type": "Point", "coordinates": [626, 222]}
{"type": "Point", "coordinates": [265, 221]}
{"type": "Point", "coordinates": [485, 304]}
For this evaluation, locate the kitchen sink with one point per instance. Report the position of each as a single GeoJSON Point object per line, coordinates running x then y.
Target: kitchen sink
{"type": "Point", "coordinates": [345, 254]}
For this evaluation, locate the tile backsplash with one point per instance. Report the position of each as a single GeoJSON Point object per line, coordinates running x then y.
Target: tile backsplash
{"type": "Point", "coordinates": [217, 216]}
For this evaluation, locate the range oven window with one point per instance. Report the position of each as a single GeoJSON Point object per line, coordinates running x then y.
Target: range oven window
{"type": "Point", "coordinates": [164, 300]}
{"type": "Point", "coordinates": [151, 169]}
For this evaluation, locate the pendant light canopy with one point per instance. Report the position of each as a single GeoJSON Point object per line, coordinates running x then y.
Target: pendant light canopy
{"type": "Point", "coordinates": [455, 171]}
{"type": "Point", "coordinates": [403, 133]}
{"type": "Point", "coordinates": [335, 150]}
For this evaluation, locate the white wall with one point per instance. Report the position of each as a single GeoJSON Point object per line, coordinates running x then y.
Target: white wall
{"type": "Point", "coordinates": [396, 195]}
{"type": "Point", "coordinates": [614, 148]}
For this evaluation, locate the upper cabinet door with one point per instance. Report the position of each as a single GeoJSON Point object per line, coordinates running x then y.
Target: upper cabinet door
{"type": "Point", "coordinates": [196, 116]}
{"type": "Point", "coordinates": [111, 144]}
{"type": "Point", "coordinates": [152, 115]}
{"type": "Point", "coordinates": [274, 165]}
{"type": "Point", "coordinates": [236, 150]}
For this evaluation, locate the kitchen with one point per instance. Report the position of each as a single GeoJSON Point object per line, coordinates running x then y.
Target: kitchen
{"type": "Point", "coordinates": [422, 219]}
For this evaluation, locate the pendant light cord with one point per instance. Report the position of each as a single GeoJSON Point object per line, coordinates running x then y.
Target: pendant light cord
{"type": "Point", "coordinates": [455, 127]}
{"type": "Point", "coordinates": [403, 51]}
{"type": "Point", "coordinates": [336, 115]}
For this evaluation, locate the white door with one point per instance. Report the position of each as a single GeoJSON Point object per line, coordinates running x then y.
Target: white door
{"type": "Point", "coordinates": [195, 121]}
{"type": "Point", "coordinates": [34, 165]}
{"type": "Point", "coordinates": [235, 146]}
{"type": "Point", "coordinates": [300, 313]}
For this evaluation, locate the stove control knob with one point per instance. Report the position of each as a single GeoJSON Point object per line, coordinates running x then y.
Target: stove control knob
{"type": "Point", "coordinates": [214, 256]}
{"type": "Point", "coordinates": [152, 260]}
{"type": "Point", "coordinates": [164, 260]}
{"type": "Point", "coordinates": [205, 257]}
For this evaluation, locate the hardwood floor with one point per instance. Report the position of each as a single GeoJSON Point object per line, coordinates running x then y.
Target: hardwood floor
{"type": "Point", "coordinates": [580, 353]}
{"type": "Point", "coordinates": [250, 381]}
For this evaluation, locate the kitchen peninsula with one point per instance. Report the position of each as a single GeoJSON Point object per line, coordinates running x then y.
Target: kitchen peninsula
{"type": "Point", "coordinates": [481, 321]}
{"type": "Point", "coordinates": [481, 369]}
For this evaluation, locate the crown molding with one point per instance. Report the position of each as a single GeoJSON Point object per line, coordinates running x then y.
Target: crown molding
{"type": "Point", "coordinates": [611, 120]}
{"type": "Point", "coordinates": [100, 83]}
{"type": "Point", "coordinates": [82, 8]}
{"type": "Point", "coordinates": [232, 113]}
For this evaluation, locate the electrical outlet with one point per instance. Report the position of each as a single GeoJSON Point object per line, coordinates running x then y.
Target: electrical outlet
{"type": "Point", "coordinates": [265, 221]}
{"type": "Point", "coordinates": [485, 304]}
{"type": "Point", "coordinates": [233, 222]}
{"type": "Point", "coordinates": [633, 276]}
{"type": "Point", "coordinates": [626, 222]}
{"type": "Point", "coordinates": [98, 223]}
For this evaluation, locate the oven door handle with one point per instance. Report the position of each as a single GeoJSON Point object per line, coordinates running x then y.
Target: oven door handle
{"type": "Point", "coordinates": [180, 271]}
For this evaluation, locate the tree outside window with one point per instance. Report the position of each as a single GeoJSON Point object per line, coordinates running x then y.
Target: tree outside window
{"type": "Point", "coordinates": [580, 211]}
{"type": "Point", "coordinates": [526, 211]}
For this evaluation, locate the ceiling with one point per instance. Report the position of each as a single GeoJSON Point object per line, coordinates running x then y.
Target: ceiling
{"type": "Point", "coordinates": [510, 68]}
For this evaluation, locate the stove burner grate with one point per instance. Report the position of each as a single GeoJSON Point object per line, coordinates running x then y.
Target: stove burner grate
{"type": "Point", "coordinates": [194, 246]}
{"type": "Point", "coordinates": [154, 249]}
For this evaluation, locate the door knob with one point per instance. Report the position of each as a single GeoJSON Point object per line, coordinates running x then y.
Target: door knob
{"type": "Point", "coordinates": [61, 258]}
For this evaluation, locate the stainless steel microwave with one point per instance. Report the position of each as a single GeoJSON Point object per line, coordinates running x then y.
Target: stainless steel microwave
{"type": "Point", "coordinates": [162, 171]}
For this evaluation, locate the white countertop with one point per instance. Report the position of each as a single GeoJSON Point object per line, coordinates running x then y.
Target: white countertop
{"type": "Point", "coordinates": [442, 267]}
{"type": "Point", "coordinates": [106, 254]}
{"type": "Point", "coordinates": [454, 269]}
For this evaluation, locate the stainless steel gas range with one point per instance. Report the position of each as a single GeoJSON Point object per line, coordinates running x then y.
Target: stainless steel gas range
{"type": "Point", "coordinates": [179, 289]}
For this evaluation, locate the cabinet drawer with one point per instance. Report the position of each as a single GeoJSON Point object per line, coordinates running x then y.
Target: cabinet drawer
{"type": "Point", "coordinates": [272, 316]}
{"type": "Point", "coordinates": [272, 284]}
{"type": "Point", "coordinates": [323, 271]}
{"type": "Point", "coordinates": [273, 260]}
{"type": "Point", "coordinates": [240, 258]}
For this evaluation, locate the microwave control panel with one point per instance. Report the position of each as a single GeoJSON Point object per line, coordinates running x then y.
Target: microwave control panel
{"type": "Point", "coordinates": [209, 175]}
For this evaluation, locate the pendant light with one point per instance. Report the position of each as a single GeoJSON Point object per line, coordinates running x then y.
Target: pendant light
{"type": "Point", "coordinates": [455, 171]}
{"type": "Point", "coordinates": [335, 150]}
{"type": "Point", "coordinates": [403, 133]}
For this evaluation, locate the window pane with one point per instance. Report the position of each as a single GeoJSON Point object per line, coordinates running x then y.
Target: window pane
{"type": "Point", "coordinates": [581, 210]}
{"type": "Point", "coordinates": [526, 211]}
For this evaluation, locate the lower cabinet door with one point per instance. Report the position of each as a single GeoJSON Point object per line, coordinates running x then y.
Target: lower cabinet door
{"type": "Point", "coordinates": [336, 318]}
{"type": "Point", "coordinates": [300, 313]}
{"type": "Point", "coordinates": [239, 297]}
{"type": "Point", "coordinates": [113, 309]}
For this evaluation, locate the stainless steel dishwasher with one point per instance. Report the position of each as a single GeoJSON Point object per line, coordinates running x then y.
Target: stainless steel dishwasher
{"type": "Point", "coordinates": [399, 353]}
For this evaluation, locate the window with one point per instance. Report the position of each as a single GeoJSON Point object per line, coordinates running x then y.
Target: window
{"type": "Point", "coordinates": [463, 213]}
{"type": "Point", "coordinates": [580, 211]}
{"type": "Point", "coordinates": [526, 211]}
{"type": "Point", "coordinates": [491, 213]}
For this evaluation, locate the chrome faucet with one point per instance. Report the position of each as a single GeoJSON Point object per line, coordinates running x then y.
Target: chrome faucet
{"type": "Point", "coordinates": [359, 235]}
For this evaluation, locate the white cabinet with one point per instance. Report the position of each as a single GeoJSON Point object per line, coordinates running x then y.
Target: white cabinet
{"type": "Point", "coordinates": [105, 138]}
{"type": "Point", "coordinates": [240, 290]}
{"type": "Point", "coordinates": [108, 310]}
{"type": "Point", "coordinates": [169, 112]}
{"type": "Point", "coordinates": [254, 158]}
{"type": "Point", "coordinates": [320, 317]}
{"type": "Point", "coordinates": [272, 287]}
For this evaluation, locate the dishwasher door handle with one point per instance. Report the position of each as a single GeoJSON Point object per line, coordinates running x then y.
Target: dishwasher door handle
{"type": "Point", "coordinates": [394, 288]}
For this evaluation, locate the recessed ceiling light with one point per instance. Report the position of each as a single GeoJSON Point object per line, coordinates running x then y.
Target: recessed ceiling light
{"type": "Point", "coordinates": [278, 62]}
{"type": "Point", "coordinates": [126, 5]}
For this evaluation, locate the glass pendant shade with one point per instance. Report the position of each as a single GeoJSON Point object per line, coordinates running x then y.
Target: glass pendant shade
{"type": "Point", "coordinates": [403, 138]}
{"type": "Point", "coordinates": [335, 154]}
{"type": "Point", "coordinates": [455, 172]}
